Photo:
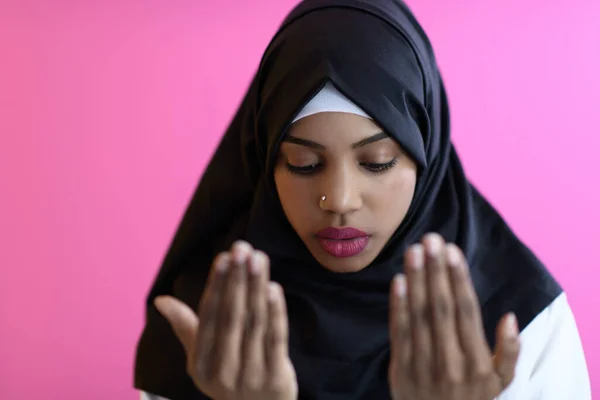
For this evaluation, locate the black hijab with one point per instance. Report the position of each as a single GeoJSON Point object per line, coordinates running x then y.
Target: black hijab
{"type": "Point", "coordinates": [376, 54]}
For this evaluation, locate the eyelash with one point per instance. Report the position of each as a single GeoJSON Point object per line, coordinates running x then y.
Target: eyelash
{"type": "Point", "coordinates": [374, 168]}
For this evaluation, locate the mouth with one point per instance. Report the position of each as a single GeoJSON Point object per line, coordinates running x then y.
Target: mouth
{"type": "Point", "coordinates": [346, 242]}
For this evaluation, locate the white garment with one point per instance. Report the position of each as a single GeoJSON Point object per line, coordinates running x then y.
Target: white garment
{"type": "Point", "coordinates": [329, 99]}
{"type": "Point", "coordinates": [551, 365]}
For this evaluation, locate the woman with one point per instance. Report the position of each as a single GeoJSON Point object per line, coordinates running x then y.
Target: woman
{"type": "Point", "coordinates": [382, 272]}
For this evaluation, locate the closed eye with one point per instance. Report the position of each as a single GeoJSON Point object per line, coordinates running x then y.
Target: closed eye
{"type": "Point", "coordinates": [379, 168]}
{"type": "Point", "coordinates": [375, 168]}
{"type": "Point", "coordinates": [302, 170]}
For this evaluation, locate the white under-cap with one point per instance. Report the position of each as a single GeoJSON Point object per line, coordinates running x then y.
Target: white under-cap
{"type": "Point", "coordinates": [329, 99]}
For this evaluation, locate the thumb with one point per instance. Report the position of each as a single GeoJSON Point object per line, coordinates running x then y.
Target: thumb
{"type": "Point", "coordinates": [507, 349]}
{"type": "Point", "coordinates": [182, 319]}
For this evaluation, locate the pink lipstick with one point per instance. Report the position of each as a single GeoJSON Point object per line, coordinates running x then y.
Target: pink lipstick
{"type": "Point", "coordinates": [346, 242]}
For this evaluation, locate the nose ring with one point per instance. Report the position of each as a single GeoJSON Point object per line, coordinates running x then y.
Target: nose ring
{"type": "Point", "coordinates": [321, 203]}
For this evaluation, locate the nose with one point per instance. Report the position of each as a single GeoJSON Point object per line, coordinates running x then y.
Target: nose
{"type": "Point", "coordinates": [342, 192]}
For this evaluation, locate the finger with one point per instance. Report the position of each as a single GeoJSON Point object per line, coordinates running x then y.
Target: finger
{"type": "Point", "coordinates": [232, 319]}
{"type": "Point", "coordinates": [182, 319]}
{"type": "Point", "coordinates": [507, 349]}
{"type": "Point", "coordinates": [277, 336]}
{"type": "Point", "coordinates": [448, 355]}
{"type": "Point", "coordinates": [468, 314]}
{"type": "Point", "coordinates": [399, 325]}
{"type": "Point", "coordinates": [199, 357]}
{"type": "Point", "coordinates": [419, 313]}
{"type": "Point", "coordinates": [256, 327]}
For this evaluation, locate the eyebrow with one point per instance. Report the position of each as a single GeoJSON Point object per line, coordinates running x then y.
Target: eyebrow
{"type": "Point", "coordinates": [314, 145]}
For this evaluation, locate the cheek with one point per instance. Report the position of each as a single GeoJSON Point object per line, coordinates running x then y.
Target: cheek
{"type": "Point", "coordinates": [294, 195]}
{"type": "Point", "coordinates": [394, 200]}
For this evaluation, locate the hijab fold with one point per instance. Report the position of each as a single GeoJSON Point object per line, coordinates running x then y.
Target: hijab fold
{"type": "Point", "coordinates": [376, 54]}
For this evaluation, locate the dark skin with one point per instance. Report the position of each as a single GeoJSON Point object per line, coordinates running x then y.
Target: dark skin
{"type": "Point", "coordinates": [438, 344]}
{"type": "Point", "coordinates": [237, 340]}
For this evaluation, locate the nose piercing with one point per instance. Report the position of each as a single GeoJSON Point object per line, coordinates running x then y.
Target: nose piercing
{"type": "Point", "coordinates": [323, 198]}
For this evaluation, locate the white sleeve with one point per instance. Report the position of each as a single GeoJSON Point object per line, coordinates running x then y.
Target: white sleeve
{"type": "Point", "coordinates": [148, 396]}
{"type": "Point", "coordinates": [552, 364]}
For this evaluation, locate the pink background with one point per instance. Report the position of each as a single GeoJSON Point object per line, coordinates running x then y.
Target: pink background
{"type": "Point", "coordinates": [109, 111]}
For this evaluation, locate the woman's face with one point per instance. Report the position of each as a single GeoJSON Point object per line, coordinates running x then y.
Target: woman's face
{"type": "Point", "coordinates": [367, 179]}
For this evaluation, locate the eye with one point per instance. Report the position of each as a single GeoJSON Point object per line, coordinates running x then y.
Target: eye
{"type": "Point", "coordinates": [302, 170]}
{"type": "Point", "coordinates": [378, 168]}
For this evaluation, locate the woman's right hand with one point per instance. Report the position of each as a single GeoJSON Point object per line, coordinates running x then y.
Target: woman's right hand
{"type": "Point", "coordinates": [237, 342]}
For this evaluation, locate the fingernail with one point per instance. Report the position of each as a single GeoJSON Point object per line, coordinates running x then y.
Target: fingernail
{"type": "Point", "coordinates": [512, 328]}
{"type": "Point", "coordinates": [400, 285]}
{"type": "Point", "coordinates": [222, 264]}
{"type": "Point", "coordinates": [240, 251]}
{"type": "Point", "coordinates": [417, 261]}
{"type": "Point", "coordinates": [273, 292]}
{"type": "Point", "coordinates": [434, 245]}
{"type": "Point", "coordinates": [256, 264]}
{"type": "Point", "coordinates": [159, 302]}
{"type": "Point", "coordinates": [238, 257]}
{"type": "Point", "coordinates": [454, 260]}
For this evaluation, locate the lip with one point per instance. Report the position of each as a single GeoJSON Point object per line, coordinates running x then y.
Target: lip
{"type": "Point", "coordinates": [345, 242]}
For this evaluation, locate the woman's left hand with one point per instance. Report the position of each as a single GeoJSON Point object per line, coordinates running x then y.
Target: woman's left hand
{"type": "Point", "coordinates": [438, 347]}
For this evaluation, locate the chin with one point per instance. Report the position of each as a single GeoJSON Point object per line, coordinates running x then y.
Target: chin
{"type": "Point", "coordinates": [343, 264]}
